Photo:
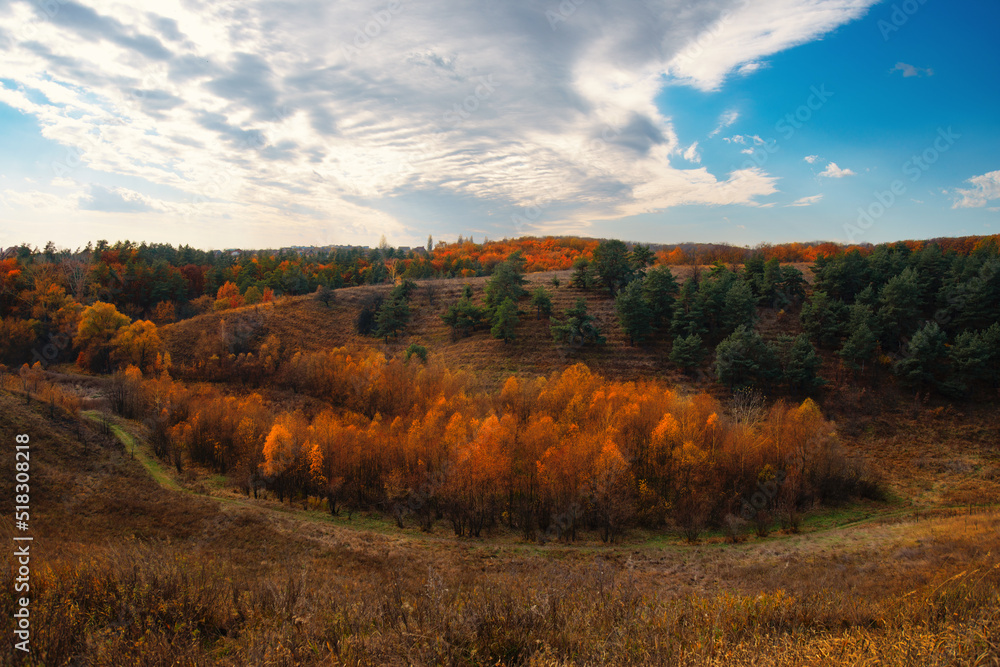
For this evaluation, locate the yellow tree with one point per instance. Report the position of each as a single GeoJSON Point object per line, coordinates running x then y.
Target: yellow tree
{"type": "Point", "coordinates": [99, 324]}
{"type": "Point", "coordinates": [137, 344]}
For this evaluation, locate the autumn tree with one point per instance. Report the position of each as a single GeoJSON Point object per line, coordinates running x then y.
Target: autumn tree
{"type": "Point", "coordinates": [228, 297]}
{"type": "Point", "coordinates": [137, 344]}
{"type": "Point", "coordinates": [98, 326]}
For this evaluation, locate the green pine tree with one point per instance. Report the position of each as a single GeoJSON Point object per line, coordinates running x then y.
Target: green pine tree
{"type": "Point", "coordinates": [634, 313]}
{"type": "Point", "coordinates": [802, 367]}
{"type": "Point", "coordinates": [687, 352]}
{"type": "Point", "coordinates": [859, 348]}
{"type": "Point", "coordinates": [744, 359]}
{"type": "Point", "coordinates": [921, 366]}
{"type": "Point", "coordinates": [542, 302]}
{"type": "Point", "coordinates": [578, 328]}
{"type": "Point", "coordinates": [505, 321]}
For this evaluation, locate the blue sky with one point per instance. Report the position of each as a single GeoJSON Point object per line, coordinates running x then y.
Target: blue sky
{"type": "Point", "coordinates": [265, 123]}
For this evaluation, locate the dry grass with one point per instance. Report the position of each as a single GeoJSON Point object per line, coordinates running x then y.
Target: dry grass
{"type": "Point", "coordinates": [302, 323]}
{"type": "Point", "coordinates": [130, 574]}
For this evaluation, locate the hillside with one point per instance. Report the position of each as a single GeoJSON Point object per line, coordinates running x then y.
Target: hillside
{"type": "Point", "coordinates": [302, 323]}
{"type": "Point", "coordinates": [130, 572]}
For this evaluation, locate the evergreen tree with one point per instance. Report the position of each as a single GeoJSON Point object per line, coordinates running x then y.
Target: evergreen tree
{"type": "Point", "coordinates": [507, 281]}
{"type": "Point", "coordinates": [393, 315]}
{"type": "Point", "coordinates": [687, 352]}
{"type": "Point", "coordinates": [634, 313]}
{"type": "Point", "coordinates": [823, 319]}
{"type": "Point", "coordinates": [921, 366]}
{"type": "Point", "coordinates": [899, 307]}
{"type": "Point", "coordinates": [740, 307]}
{"type": "Point", "coordinates": [612, 261]}
{"type": "Point", "coordinates": [464, 316]}
{"type": "Point", "coordinates": [769, 284]}
{"type": "Point", "coordinates": [745, 359]}
{"type": "Point", "coordinates": [583, 276]}
{"type": "Point", "coordinates": [542, 302]}
{"type": "Point", "coordinates": [859, 348]}
{"type": "Point", "coordinates": [641, 257]}
{"type": "Point", "coordinates": [689, 315]}
{"type": "Point", "coordinates": [578, 327]}
{"type": "Point", "coordinates": [660, 291]}
{"type": "Point", "coordinates": [505, 321]}
{"type": "Point", "coordinates": [792, 286]}
{"type": "Point", "coordinates": [802, 367]}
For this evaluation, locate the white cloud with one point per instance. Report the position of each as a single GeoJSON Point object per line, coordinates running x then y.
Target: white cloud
{"type": "Point", "coordinates": [811, 158]}
{"type": "Point", "coordinates": [806, 201]}
{"type": "Point", "coordinates": [691, 154]}
{"type": "Point", "coordinates": [745, 140]}
{"type": "Point", "coordinates": [910, 70]}
{"type": "Point", "coordinates": [833, 171]}
{"type": "Point", "coordinates": [725, 120]}
{"type": "Point", "coordinates": [984, 189]}
{"type": "Point", "coordinates": [749, 68]}
{"type": "Point", "coordinates": [745, 32]}
{"type": "Point", "coordinates": [263, 115]}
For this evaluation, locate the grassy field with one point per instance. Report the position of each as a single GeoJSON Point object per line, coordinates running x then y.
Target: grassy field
{"type": "Point", "coordinates": [131, 571]}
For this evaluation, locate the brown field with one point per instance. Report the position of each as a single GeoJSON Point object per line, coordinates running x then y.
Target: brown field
{"type": "Point", "coordinates": [129, 572]}
{"type": "Point", "coordinates": [301, 323]}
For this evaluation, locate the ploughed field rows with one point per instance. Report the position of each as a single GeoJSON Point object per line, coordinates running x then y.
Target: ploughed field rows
{"type": "Point", "coordinates": [303, 323]}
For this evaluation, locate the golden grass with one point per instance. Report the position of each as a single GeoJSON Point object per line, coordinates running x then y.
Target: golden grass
{"type": "Point", "coordinates": [128, 573]}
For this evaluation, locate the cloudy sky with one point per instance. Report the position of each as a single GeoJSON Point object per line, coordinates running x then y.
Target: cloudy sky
{"type": "Point", "coordinates": [264, 123]}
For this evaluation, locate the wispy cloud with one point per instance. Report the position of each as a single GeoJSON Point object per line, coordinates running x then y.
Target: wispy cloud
{"type": "Point", "coordinates": [725, 120]}
{"type": "Point", "coordinates": [985, 188]}
{"type": "Point", "coordinates": [322, 114]}
{"type": "Point", "coordinates": [811, 158]}
{"type": "Point", "coordinates": [910, 70]}
{"type": "Point", "coordinates": [806, 201]}
{"type": "Point", "coordinates": [117, 200]}
{"type": "Point", "coordinates": [833, 171]}
{"type": "Point", "coordinates": [746, 32]}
